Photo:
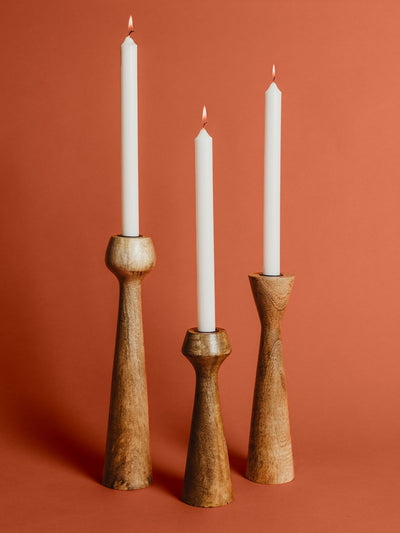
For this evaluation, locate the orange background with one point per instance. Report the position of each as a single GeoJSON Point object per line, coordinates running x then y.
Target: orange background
{"type": "Point", "coordinates": [338, 69]}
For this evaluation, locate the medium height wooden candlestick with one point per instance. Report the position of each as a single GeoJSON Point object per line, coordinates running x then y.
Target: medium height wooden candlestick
{"type": "Point", "coordinates": [270, 458]}
{"type": "Point", "coordinates": [207, 477]}
{"type": "Point", "coordinates": [127, 463]}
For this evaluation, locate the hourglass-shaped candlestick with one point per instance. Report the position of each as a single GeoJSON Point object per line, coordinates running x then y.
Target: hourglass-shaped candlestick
{"type": "Point", "coordinates": [270, 458]}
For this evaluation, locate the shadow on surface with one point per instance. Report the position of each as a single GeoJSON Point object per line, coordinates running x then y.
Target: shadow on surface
{"type": "Point", "coordinates": [42, 415]}
{"type": "Point", "coordinates": [50, 433]}
{"type": "Point", "coordinates": [238, 462]}
{"type": "Point", "coordinates": [169, 481]}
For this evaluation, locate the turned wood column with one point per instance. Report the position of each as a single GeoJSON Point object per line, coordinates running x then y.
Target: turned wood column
{"type": "Point", "coordinates": [207, 480]}
{"type": "Point", "coordinates": [127, 463]}
{"type": "Point", "coordinates": [270, 458]}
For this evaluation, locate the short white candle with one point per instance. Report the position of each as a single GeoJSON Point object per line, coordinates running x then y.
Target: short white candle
{"type": "Point", "coordinates": [205, 230]}
{"type": "Point", "coordinates": [129, 137]}
{"type": "Point", "coordinates": [272, 179]}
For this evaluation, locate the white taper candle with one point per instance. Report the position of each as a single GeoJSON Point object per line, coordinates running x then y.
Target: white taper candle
{"type": "Point", "coordinates": [204, 230]}
{"type": "Point", "coordinates": [272, 180]}
{"type": "Point", "coordinates": [129, 138]}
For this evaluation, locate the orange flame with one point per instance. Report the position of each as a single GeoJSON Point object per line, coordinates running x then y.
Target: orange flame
{"type": "Point", "coordinates": [273, 72]}
{"type": "Point", "coordinates": [130, 24]}
{"type": "Point", "coordinates": [204, 116]}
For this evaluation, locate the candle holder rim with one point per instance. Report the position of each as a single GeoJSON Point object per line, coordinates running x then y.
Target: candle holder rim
{"type": "Point", "coordinates": [195, 330]}
{"type": "Point", "coordinates": [128, 256]}
{"type": "Point", "coordinates": [120, 236]}
{"type": "Point", "coordinates": [213, 343]}
{"type": "Point", "coordinates": [267, 276]}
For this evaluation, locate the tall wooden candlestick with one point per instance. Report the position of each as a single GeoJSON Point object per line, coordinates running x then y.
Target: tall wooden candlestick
{"type": "Point", "coordinates": [207, 477]}
{"type": "Point", "coordinates": [127, 463]}
{"type": "Point", "coordinates": [270, 459]}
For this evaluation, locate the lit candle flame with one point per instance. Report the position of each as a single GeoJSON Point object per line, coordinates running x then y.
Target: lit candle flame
{"type": "Point", "coordinates": [130, 24]}
{"type": "Point", "coordinates": [273, 72]}
{"type": "Point", "coordinates": [204, 117]}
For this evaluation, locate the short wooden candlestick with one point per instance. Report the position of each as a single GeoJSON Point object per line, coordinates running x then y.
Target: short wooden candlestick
{"type": "Point", "coordinates": [270, 458]}
{"type": "Point", "coordinates": [207, 477]}
{"type": "Point", "coordinates": [127, 463]}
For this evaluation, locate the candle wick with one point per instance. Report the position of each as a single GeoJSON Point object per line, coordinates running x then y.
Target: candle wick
{"type": "Point", "coordinates": [204, 124]}
{"type": "Point", "coordinates": [131, 31]}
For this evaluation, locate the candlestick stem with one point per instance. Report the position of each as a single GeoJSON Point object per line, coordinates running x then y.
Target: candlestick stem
{"type": "Point", "coordinates": [127, 463]}
{"type": "Point", "coordinates": [207, 477]}
{"type": "Point", "coordinates": [270, 459]}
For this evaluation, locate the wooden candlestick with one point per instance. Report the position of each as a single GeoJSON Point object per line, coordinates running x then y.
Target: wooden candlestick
{"type": "Point", "coordinates": [270, 458]}
{"type": "Point", "coordinates": [127, 463]}
{"type": "Point", "coordinates": [207, 476]}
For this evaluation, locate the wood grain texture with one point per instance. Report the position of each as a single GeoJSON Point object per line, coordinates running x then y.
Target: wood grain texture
{"type": "Point", "coordinates": [127, 464]}
{"type": "Point", "coordinates": [270, 458]}
{"type": "Point", "coordinates": [207, 480]}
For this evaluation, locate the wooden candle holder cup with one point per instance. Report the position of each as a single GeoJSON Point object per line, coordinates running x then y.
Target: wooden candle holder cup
{"type": "Point", "coordinates": [270, 458]}
{"type": "Point", "coordinates": [207, 480]}
{"type": "Point", "coordinates": [127, 464]}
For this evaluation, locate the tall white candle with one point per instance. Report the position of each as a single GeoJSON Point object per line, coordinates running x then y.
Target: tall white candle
{"type": "Point", "coordinates": [204, 230]}
{"type": "Point", "coordinates": [129, 137]}
{"type": "Point", "coordinates": [272, 179]}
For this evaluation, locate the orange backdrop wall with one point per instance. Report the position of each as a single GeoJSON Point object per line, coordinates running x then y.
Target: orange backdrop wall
{"type": "Point", "coordinates": [338, 69]}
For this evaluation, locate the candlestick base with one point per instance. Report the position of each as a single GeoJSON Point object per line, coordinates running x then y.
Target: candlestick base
{"type": "Point", "coordinates": [207, 480]}
{"type": "Point", "coordinates": [127, 464]}
{"type": "Point", "coordinates": [270, 458]}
